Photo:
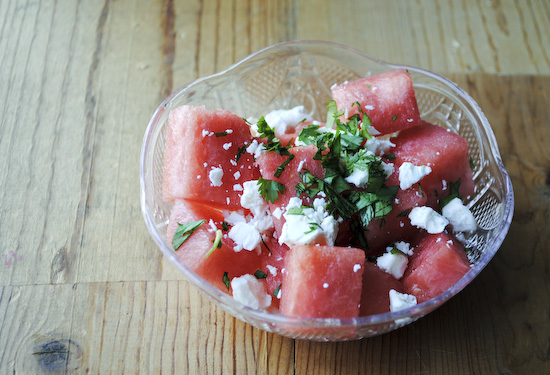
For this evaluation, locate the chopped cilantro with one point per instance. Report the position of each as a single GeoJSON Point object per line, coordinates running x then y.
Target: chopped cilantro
{"type": "Point", "coordinates": [404, 213]}
{"type": "Point", "coordinates": [217, 243]}
{"type": "Point", "coordinates": [221, 134]}
{"type": "Point", "coordinates": [453, 193]}
{"type": "Point", "coordinates": [260, 274]}
{"type": "Point", "coordinates": [394, 117]}
{"type": "Point", "coordinates": [332, 114]}
{"type": "Point", "coordinates": [295, 211]}
{"type": "Point", "coordinates": [420, 189]}
{"type": "Point", "coordinates": [389, 156]}
{"type": "Point", "coordinates": [241, 150]}
{"type": "Point", "coordinates": [282, 167]}
{"type": "Point", "coordinates": [226, 280]}
{"type": "Point", "coordinates": [225, 226]}
{"type": "Point", "coordinates": [270, 190]}
{"type": "Point", "coordinates": [185, 231]}
{"type": "Point", "coordinates": [277, 290]}
{"type": "Point", "coordinates": [472, 163]}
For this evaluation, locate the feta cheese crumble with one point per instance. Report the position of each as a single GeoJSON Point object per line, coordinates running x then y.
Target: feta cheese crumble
{"type": "Point", "coordinates": [226, 146]}
{"type": "Point", "coordinates": [426, 218]}
{"type": "Point", "coordinates": [410, 174]}
{"type": "Point", "coordinates": [401, 301]}
{"type": "Point", "coordinates": [358, 177]}
{"type": "Point", "coordinates": [311, 225]}
{"type": "Point", "coordinates": [404, 247]}
{"type": "Point", "coordinates": [255, 148]}
{"type": "Point", "coordinates": [459, 216]}
{"type": "Point", "coordinates": [250, 291]}
{"type": "Point", "coordinates": [215, 175]}
{"type": "Point", "coordinates": [393, 263]}
{"type": "Point", "coordinates": [283, 119]}
{"type": "Point", "coordinates": [247, 232]}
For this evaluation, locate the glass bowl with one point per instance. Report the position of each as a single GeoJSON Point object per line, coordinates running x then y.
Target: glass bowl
{"type": "Point", "coordinates": [301, 73]}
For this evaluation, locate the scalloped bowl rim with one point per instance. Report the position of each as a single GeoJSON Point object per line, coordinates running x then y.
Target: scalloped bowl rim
{"type": "Point", "coordinates": [228, 303]}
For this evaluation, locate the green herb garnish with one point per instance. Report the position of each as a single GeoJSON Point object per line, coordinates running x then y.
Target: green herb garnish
{"type": "Point", "coordinates": [394, 117]}
{"type": "Point", "coordinates": [276, 291]}
{"type": "Point", "coordinates": [217, 243]}
{"type": "Point", "coordinates": [260, 274]}
{"type": "Point", "coordinates": [221, 134]}
{"type": "Point", "coordinates": [270, 190]}
{"type": "Point", "coordinates": [453, 193]}
{"type": "Point", "coordinates": [226, 280]}
{"type": "Point", "coordinates": [225, 226]}
{"type": "Point", "coordinates": [240, 151]}
{"type": "Point", "coordinates": [185, 231]}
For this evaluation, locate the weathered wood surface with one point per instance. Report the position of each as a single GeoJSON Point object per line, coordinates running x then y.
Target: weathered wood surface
{"type": "Point", "coordinates": [83, 288]}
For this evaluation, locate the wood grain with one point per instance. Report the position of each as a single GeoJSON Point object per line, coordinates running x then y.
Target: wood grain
{"type": "Point", "coordinates": [82, 285]}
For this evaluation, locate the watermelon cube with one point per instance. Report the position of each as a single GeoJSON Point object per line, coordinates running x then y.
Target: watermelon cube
{"type": "Point", "coordinates": [322, 282]}
{"type": "Point", "coordinates": [445, 152]}
{"type": "Point", "coordinates": [193, 252]}
{"type": "Point", "coordinates": [439, 261]}
{"type": "Point", "coordinates": [200, 156]}
{"type": "Point", "coordinates": [375, 296]}
{"type": "Point", "coordinates": [388, 99]}
{"type": "Point", "coordinates": [272, 263]}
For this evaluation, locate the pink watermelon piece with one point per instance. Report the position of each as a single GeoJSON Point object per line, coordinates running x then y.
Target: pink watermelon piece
{"type": "Point", "coordinates": [322, 282]}
{"type": "Point", "coordinates": [439, 261]}
{"type": "Point", "coordinates": [272, 263]}
{"type": "Point", "coordinates": [303, 156]}
{"type": "Point", "coordinates": [387, 98]}
{"type": "Point", "coordinates": [375, 296]}
{"type": "Point", "coordinates": [193, 150]}
{"type": "Point", "coordinates": [193, 252]}
{"type": "Point", "coordinates": [445, 152]}
{"type": "Point", "coordinates": [396, 225]}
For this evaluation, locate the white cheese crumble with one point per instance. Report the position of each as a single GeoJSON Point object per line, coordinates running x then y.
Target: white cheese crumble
{"type": "Point", "coordinates": [358, 177]}
{"type": "Point", "coordinates": [459, 216]}
{"type": "Point", "coordinates": [250, 291]}
{"type": "Point", "coordinates": [237, 187]}
{"type": "Point", "coordinates": [404, 247]}
{"type": "Point", "coordinates": [272, 270]}
{"type": "Point", "coordinates": [247, 232]}
{"type": "Point", "coordinates": [215, 176]}
{"type": "Point", "coordinates": [226, 146]}
{"type": "Point", "coordinates": [282, 119]}
{"type": "Point", "coordinates": [245, 236]}
{"type": "Point", "coordinates": [394, 264]}
{"type": "Point", "coordinates": [255, 148]}
{"type": "Point", "coordinates": [312, 225]}
{"type": "Point", "coordinates": [237, 175]}
{"type": "Point", "coordinates": [401, 301]}
{"type": "Point", "coordinates": [325, 285]}
{"type": "Point", "coordinates": [426, 218]}
{"type": "Point", "coordinates": [300, 166]}
{"type": "Point", "coordinates": [356, 267]}
{"type": "Point", "coordinates": [410, 174]}
{"type": "Point", "coordinates": [378, 146]}
{"type": "Point", "coordinates": [277, 213]}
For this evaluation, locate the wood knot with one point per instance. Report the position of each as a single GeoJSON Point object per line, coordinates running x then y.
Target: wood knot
{"type": "Point", "coordinates": [57, 356]}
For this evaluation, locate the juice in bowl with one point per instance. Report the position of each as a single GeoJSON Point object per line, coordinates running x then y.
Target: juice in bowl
{"type": "Point", "coordinates": [316, 192]}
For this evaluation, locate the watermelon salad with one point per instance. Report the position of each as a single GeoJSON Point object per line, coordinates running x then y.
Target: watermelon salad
{"type": "Point", "coordinates": [357, 215]}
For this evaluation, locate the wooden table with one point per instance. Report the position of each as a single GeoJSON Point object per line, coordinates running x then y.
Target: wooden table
{"type": "Point", "coordinates": [83, 288]}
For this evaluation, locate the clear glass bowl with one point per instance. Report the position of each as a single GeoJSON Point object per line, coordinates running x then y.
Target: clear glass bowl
{"type": "Point", "coordinates": [301, 73]}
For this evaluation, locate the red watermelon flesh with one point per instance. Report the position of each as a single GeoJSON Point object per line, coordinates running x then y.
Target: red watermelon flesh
{"type": "Point", "coordinates": [322, 282]}
{"type": "Point", "coordinates": [193, 149]}
{"type": "Point", "coordinates": [303, 156]}
{"type": "Point", "coordinates": [395, 226]}
{"type": "Point", "coordinates": [445, 152]}
{"type": "Point", "coordinates": [387, 98]}
{"type": "Point", "coordinates": [375, 296]}
{"type": "Point", "coordinates": [439, 261]}
{"type": "Point", "coordinates": [272, 263]}
{"type": "Point", "coordinates": [193, 252]}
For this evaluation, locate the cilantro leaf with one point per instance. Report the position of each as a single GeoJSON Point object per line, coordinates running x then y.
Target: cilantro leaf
{"type": "Point", "coordinates": [226, 280]}
{"type": "Point", "coordinates": [217, 243]}
{"type": "Point", "coordinates": [332, 114]}
{"type": "Point", "coordinates": [270, 190]}
{"type": "Point", "coordinates": [453, 193]}
{"type": "Point", "coordinates": [185, 231]}
{"type": "Point", "coordinates": [277, 290]}
{"type": "Point", "coordinates": [221, 134]}
{"type": "Point", "coordinates": [240, 151]}
{"type": "Point", "coordinates": [260, 274]}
